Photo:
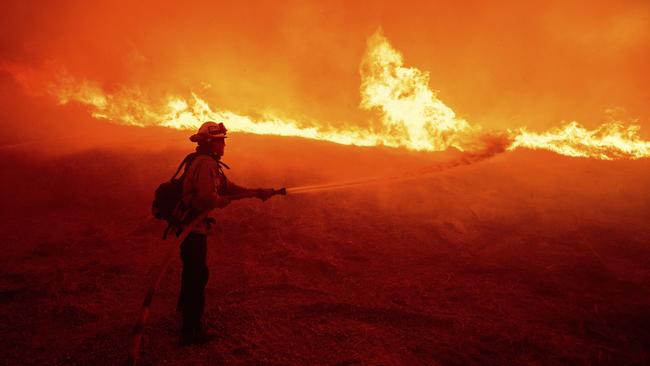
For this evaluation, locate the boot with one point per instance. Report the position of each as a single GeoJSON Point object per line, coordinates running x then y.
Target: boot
{"type": "Point", "coordinates": [196, 336]}
{"type": "Point", "coordinates": [204, 336]}
{"type": "Point", "coordinates": [186, 339]}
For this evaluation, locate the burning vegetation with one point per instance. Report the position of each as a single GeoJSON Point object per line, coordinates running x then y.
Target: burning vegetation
{"type": "Point", "coordinates": [410, 113]}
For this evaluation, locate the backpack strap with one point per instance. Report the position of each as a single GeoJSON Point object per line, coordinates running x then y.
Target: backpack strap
{"type": "Point", "coordinates": [167, 230]}
{"type": "Point", "coordinates": [186, 162]}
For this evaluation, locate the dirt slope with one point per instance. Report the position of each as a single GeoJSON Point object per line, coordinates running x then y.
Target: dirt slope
{"type": "Point", "coordinates": [525, 258]}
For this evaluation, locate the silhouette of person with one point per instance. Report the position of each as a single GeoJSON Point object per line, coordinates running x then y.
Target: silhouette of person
{"type": "Point", "coordinates": [205, 187]}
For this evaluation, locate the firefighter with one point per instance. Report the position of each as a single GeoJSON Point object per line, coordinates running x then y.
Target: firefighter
{"type": "Point", "coordinates": [205, 187]}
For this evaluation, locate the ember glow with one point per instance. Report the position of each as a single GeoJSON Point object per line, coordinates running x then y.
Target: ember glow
{"type": "Point", "coordinates": [410, 115]}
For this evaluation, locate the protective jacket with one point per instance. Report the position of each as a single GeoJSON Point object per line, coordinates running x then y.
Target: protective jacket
{"type": "Point", "coordinates": [203, 185]}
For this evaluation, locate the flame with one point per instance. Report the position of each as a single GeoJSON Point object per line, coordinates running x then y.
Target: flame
{"type": "Point", "coordinates": [609, 141]}
{"type": "Point", "coordinates": [132, 106]}
{"type": "Point", "coordinates": [411, 115]}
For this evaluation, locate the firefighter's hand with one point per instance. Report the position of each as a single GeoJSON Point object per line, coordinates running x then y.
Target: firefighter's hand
{"type": "Point", "coordinates": [264, 193]}
{"type": "Point", "coordinates": [222, 202]}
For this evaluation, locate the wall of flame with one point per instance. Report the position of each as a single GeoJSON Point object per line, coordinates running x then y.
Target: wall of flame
{"type": "Point", "coordinates": [324, 71]}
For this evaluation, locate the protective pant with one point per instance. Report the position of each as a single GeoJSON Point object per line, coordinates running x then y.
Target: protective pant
{"type": "Point", "coordinates": [194, 278]}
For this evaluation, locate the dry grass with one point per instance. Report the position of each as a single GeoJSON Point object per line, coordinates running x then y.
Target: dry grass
{"type": "Point", "coordinates": [527, 258]}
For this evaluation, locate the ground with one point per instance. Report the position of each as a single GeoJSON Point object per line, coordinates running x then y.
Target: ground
{"type": "Point", "coordinates": [525, 258]}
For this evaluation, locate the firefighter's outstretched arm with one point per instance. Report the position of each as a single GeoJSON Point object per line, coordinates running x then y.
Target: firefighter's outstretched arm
{"type": "Point", "coordinates": [261, 193]}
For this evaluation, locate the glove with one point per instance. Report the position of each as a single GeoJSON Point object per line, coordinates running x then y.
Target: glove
{"type": "Point", "coordinates": [264, 193]}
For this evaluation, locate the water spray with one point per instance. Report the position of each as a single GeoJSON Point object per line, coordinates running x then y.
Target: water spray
{"type": "Point", "coordinates": [466, 159]}
{"type": "Point", "coordinates": [355, 183]}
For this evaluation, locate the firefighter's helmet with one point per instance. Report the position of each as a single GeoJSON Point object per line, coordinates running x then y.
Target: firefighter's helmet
{"type": "Point", "coordinates": [208, 131]}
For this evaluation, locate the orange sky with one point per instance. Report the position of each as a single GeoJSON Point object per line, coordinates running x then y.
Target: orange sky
{"type": "Point", "coordinates": [497, 64]}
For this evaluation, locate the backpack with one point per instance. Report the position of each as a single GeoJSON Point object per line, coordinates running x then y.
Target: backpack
{"type": "Point", "coordinates": [167, 204]}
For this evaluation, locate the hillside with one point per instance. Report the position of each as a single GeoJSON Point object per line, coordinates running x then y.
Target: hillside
{"type": "Point", "coordinates": [524, 258]}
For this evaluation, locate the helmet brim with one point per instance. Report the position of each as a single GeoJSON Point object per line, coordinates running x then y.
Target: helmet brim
{"type": "Point", "coordinates": [201, 137]}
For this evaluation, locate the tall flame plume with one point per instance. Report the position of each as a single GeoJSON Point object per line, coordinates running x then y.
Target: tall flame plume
{"type": "Point", "coordinates": [411, 111]}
